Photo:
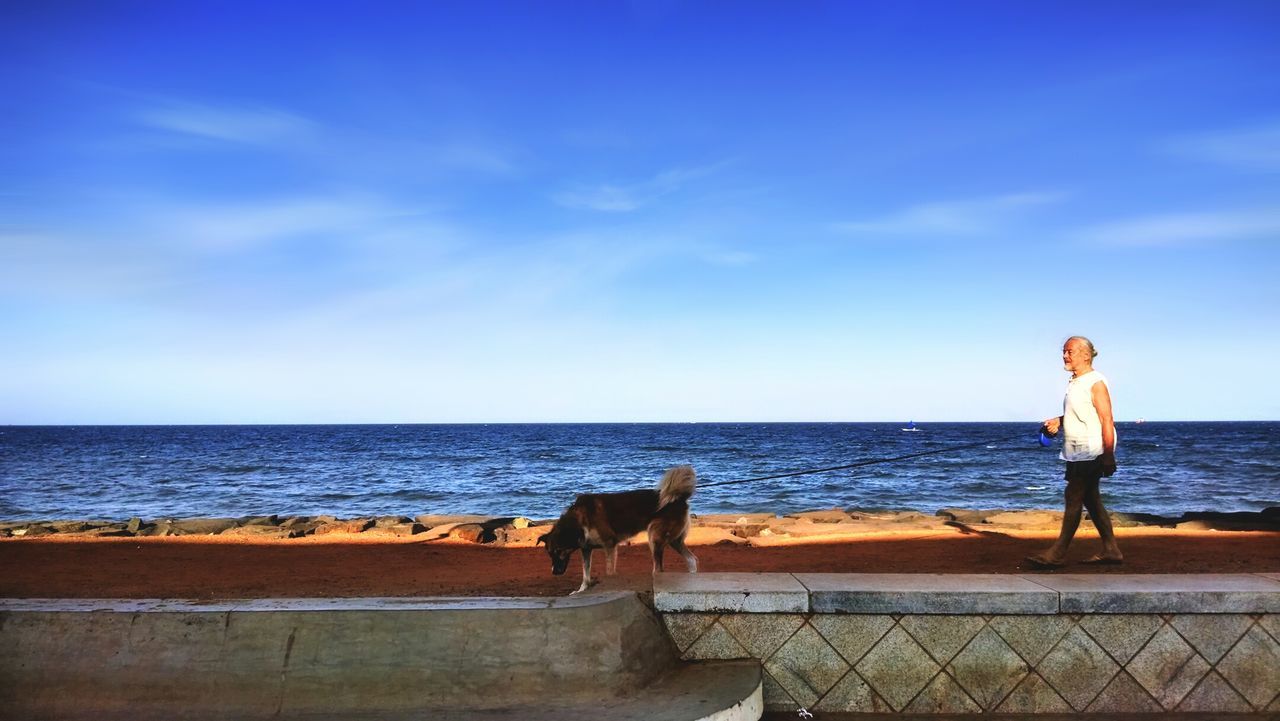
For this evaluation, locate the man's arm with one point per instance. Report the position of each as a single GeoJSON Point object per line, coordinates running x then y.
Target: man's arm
{"type": "Point", "coordinates": [1102, 404]}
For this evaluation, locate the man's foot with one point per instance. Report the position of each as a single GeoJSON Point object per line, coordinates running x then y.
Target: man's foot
{"type": "Point", "coordinates": [1103, 560]}
{"type": "Point", "coordinates": [1042, 562]}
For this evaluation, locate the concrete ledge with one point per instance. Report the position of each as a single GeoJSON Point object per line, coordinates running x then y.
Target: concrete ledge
{"type": "Point", "coordinates": [284, 658]}
{"type": "Point", "coordinates": [730, 592]}
{"type": "Point", "coordinates": [959, 594]}
{"type": "Point", "coordinates": [926, 593]}
{"type": "Point", "coordinates": [1159, 593]}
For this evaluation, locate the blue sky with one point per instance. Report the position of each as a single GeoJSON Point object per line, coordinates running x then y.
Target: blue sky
{"type": "Point", "coordinates": [278, 212]}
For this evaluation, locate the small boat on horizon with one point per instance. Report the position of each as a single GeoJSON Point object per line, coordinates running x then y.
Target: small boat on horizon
{"type": "Point", "coordinates": [911, 426]}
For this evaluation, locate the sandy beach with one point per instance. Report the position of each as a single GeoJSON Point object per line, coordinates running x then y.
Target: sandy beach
{"type": "Point", "coordinates": [359, 564]}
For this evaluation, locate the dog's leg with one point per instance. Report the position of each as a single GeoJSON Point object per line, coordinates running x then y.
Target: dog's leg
{"type": "Point", "coordinates": [611, 559]}
{"type": "Point", "coordinates": [690, 560]}
{"type": "Point", "coordinates": [655, 549]}
{"type": "Point", "coordinates": [586, 571]}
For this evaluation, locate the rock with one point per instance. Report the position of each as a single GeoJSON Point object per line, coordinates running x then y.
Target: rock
{"type": "Point", "coordinates": [512, 536]}
{"type": "Point", "coordinates": [134, 525]}
{"type": "Point", "coordinates": [357, 525]}
{"type": "Point", "coordinates": [433, 520]}
{"type": "Point", "coordinates": [385, 521]}
{"type": "Point", "coordinates": [201, 526]}
{"type": "Point", "coordinates": [1271, 513]}
{"type": "Point", "coordinates": [32, 530]}
{"type": "Point", "coordinates": [521, 522]}
{"type": "Point", "coordinates": [262, 531]}
{"type": "Point", "coordinates": [709, 536]}
{"type": "Point", "coordinates": [69, 526]}
{"type": "Point", "coordinates": [830, 516]}
{"type": "Point", "coordinates": [272, 520]}
{"type": "Point", "coordinates": [747, 530]}
{"type": "Point", "coordinates": [115, 530]}
{"type": "Point", "coordinates": [411, 528]}
{"type": "Point", "coordinates": [967, 516]}
{"type": "Point", "coordinates": [1047, 520]}
{"type": "Point", "coordinates": [473, 532]}
{"type": "Point", "coordinates": [292, 521]}
{"type": "Point", "coordinates": [733, 518]}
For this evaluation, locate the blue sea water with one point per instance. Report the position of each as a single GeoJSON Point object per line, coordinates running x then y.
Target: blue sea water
{"type": "Point", "coordinates": [113, 472]}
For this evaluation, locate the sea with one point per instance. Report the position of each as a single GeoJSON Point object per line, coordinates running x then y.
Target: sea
{"type": "Point", "coordinates": [535, 470]}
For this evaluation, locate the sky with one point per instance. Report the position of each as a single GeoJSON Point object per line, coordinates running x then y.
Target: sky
{"type": "Point", "coordinates": [386, 212]}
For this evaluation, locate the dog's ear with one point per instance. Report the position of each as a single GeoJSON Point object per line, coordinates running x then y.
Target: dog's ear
{"type": "Point", "coordinates": [542, 539]}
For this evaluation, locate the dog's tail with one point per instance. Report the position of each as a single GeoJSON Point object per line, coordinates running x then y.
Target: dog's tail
{"type": "Point", "coordinates": [676, 485]}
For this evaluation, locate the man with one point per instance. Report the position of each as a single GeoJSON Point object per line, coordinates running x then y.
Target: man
{"type": "Point", "coordinates": [1089, 448]}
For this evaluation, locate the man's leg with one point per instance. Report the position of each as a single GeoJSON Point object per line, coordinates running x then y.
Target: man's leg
{"type": "Point", "coordinates": [1102, 521]}
{"type": "Point", "coordinates": [1073, 502]}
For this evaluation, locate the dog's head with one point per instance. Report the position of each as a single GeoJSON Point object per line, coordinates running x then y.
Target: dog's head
{"type": "Point", "coordinates": [562, 540]}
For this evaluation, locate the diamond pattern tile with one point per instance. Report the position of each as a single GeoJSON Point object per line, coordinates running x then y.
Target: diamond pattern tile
{"type": "Point", "coordinates": [1077, 668]}
{"type": "Point", "coordinates": [1031, 636]}
{"type": "Point", "coordinates": [943, 695]}
{"type": "Point", "coordinates": [776, 697]}
{"type": "Point", "coordinates": [1167, 667]}
{"type": "Point", "coordinates": [1124, 695]}
{"type": "Point", "coordinates": [1122, 635]}
{"type": "Point", "coordinates": [716, 643]}
{"type": "Point", "coordinates": [988, 669]}
{"type": "Point", "coordinates": [806, 666]}
{"type": "Point", "coordinates": [685, 628]}
{"type": "Point", "coordinates": [1212, 634]}
{"type": "Point", "coordinates": [1270, 622]}
{"type": "Point", "coordinates": [852, 636]}
{"type": "Point", "coordinates": [897, 668]}
{"type": "Point", "coordinates": [1214, 694]}
{"type": "Point", "coordinates": [1253, 667]}
{"type": "Point", "coordinates": [762, 633]}
{"type": "Point", "coordinates": [942, 636]}
{"type": "Point", "coordinates": [852, 695]}
{"type": "Point", "coordinates": [1034, 696]}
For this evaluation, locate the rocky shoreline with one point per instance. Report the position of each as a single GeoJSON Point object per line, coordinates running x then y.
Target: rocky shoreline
{"type": "Point", "coordinates": [755, 529]}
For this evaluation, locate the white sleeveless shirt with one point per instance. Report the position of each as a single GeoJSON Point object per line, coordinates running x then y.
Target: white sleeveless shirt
{"type": "Point", "coordinates": [1081, 427]}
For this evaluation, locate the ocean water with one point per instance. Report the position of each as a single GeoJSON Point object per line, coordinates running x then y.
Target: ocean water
{"type": "Point", "coordinates": [114, 472]}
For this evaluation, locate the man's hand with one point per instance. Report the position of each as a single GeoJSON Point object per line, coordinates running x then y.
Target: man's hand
{"type": "Point", "coordinates": [1108, 464]}
{"type": "Point", "coordinates": [1051, 426]}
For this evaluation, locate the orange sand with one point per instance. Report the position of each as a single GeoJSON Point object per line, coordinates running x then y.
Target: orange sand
{"type": "Point", "coordinates": [227, 567]}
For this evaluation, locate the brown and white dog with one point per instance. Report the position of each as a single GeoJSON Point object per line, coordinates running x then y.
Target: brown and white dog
{"type": "Point", "coordinates": [603, 520]}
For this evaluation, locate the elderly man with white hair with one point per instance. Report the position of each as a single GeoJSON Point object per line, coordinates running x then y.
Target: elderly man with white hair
{"type": "Point", "coordinates": [1089, 448]}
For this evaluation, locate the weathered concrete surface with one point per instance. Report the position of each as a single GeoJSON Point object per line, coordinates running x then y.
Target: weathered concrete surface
{"type": "Point", "coordinates": [747, 592]}
{"type": "Point", "coordinates": [279, 658]}
{"type": "Point", "coordinates": [1164, 593]}
{"type": "Point", "coordinates": [926, 593]}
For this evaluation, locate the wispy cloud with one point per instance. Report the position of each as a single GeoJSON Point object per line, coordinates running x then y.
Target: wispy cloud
{"type": "Point", "coordinates": [629, 197]}
{"type": "Point", "coordinates": [1184, 228]}
{"type": "Point", "coordinates": [240, 227]}
{"type": "Point", "coordinates": [253, 125]}
{"type": "Point", "coordinates": [947, 218]}
{"type": "Point", "coordinates": [1255, 149]}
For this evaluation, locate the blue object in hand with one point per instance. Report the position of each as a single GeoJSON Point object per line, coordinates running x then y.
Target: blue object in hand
{"type": "Point", "coordinates": [1045, 441]}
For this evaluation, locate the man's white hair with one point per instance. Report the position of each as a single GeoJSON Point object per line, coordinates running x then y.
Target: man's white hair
{"type": "Point", "coordinates": [1093, 352]}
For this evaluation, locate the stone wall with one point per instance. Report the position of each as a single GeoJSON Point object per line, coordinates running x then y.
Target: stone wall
{"type": "Point", "coordinates": [886, 643]}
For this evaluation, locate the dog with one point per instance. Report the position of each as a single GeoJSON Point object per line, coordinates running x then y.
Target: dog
{"type": "Point", "coordinates": [603, 520]}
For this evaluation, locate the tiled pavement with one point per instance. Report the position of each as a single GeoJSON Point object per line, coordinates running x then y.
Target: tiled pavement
{"type": "Point", "coordinates": [1021, 662]}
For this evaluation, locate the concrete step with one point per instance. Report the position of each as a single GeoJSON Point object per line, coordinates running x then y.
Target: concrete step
{"type": "Point", "coordinates": [692, 691]}
{"type": "Point", "coordinates": [705, 691]}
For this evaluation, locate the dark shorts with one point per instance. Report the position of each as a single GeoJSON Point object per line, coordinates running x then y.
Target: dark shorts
{"type": "Point", "coordinates": [1084, 470]}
